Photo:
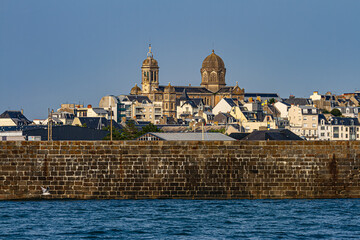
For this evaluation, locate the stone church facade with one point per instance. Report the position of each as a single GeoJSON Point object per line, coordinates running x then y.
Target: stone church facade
{"type": "Point", "coordinates": [211, 90]}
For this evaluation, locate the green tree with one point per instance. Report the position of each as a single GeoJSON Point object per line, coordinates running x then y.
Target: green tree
{"type": "Point", "coordinates": [131, 132]}
{"type": "Point", "coordinates": [336, 112]}
{"type": "Point", "coordinates": [221, 130]}
{"type": "Point", "coordinates": [116, 134]}
{"type": "Point", "coordinates": [149, 128]}
{"type": "Point", "coordinates": [271, 101]}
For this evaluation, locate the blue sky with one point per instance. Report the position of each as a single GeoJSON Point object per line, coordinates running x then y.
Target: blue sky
{"type": "Point", "coordinates": [77, 51]}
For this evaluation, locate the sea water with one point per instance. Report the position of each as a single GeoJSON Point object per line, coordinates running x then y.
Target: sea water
{"type": "Point", "coordinates": [181, 219]}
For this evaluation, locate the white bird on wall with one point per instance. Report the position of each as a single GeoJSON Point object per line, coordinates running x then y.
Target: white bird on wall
{"type": "Point", "coordinates": [45, 191]}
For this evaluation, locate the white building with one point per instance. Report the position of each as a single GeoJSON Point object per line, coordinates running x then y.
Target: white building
{"type": "Point", "coordinates": [224, 105]}
{"type": "Point", "coordinates": [283, 108]}
{"type": "Point", "coordinates": [338, 128]}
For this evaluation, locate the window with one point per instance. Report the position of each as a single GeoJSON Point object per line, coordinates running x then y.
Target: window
{"type": "Point", "coordinates": [322, 134]}
{"type": "Point", "coordinates": [314, 118]}
{"type": "Point", "coordinates": [313, 125]}
{"type": "Point", "coordinates": [346, 136]}
{"type": "Point", "coordinates": [336, 132]}
{"type": "Point", "coordinates": [346, 129]}
{"type": "Point", "coordinates": [314, 111]}
{"type": "Point", "coordinates": [322, 128]}
{"type": "Point", "coordinates": [305, 118]}
{"type": "Point", "coordinates": [305, 124]}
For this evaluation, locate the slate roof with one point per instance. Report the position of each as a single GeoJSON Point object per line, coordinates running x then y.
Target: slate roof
{"type": "Point", "coordinates": [230, 101]}
{"type": "Point", "coordinates": [197, 101]}
{"type": "Point", "coordinates": [21, 128]}
{"type": "Point", "coordinates": [138, 98]}
{"type": "Point", "coordinates": [227, 115]}
{"type": "Point", "coordinates": [222, 117]}
{"type": "Point", "coordinates": [194, 102]}
{"type": "Point", "coordinates": [329, 98]}
{"type": "Point", "coordinates": [308, 110]}
{"type": "Point", "coordinates": [67, 132]}
{"type": "Point", "coordinates": [191, 136]}
{"type": "Point", "coordinates": [273, 134]}
{"type": "Point", "coordinates": [93, 122]}
{"type": "Point", "coordinates": [100, 111]}
{"type": "Point", "coordinates": [184, 96]}
{"type": "Point", "coordinates": [351, 109]}
{"type": "Point", "coordinates": [262, 95]}
{"type": "Point", "coordinates": [189, 89]}
{"type": "Point", "coordinates": [320, 117]}
{"type": "Point", "coordinates": [16, 116]}
{"type": "Point", "coordinates": [344, 121]}
{"type": "Point", "coordinates": [191, 103]}
{"type": "Point", "coordinates": [298, 101]}
{"type": "Point", "coordinates": [225, 89]}
{"type": "Point", "coordinates": [238, 136]}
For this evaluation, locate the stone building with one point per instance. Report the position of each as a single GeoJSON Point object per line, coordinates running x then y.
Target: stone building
{"type": "Point", "coordinates": [303, 121]}
{"type": "Point", "coordinates": [211, 90]}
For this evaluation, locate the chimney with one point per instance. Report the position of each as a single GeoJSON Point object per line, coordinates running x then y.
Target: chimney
{"type": "Point", "coordinates": [22, 111]}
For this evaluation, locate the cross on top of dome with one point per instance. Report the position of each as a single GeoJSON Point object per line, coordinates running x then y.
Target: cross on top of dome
{"type": "Point", "coordinates": [150, 54]}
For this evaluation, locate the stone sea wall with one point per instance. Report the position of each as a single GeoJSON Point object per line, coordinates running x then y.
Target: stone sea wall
{"type": "Point", "coordinates": [180, 169]}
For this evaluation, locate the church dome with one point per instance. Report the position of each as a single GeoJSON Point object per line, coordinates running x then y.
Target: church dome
{"type": "Point", "coordinates": [150, 62]}
{"type": "Point", "coordinates": [213, 61]}
{"type": "Point", "coordinates": [135, 90]}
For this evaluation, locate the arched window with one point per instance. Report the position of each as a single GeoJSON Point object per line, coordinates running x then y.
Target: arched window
{"type": "Point", "coordinates": [213, 77]}
{"type": "Point", "coordinates": [222, 77]}
{"type": "Point", "coordinates": [205, 77]}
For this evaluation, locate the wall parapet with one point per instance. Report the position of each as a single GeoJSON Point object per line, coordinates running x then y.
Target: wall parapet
{"type": "Point", "coordinates": [180, 169]}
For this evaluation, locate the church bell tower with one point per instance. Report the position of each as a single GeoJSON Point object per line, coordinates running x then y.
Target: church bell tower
{"type": "Point", "coordinates": [149, 73]}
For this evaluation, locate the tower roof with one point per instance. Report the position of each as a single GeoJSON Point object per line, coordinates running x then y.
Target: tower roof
{"type": "Point", "coordinates": [150, 61]}
{"type": "Point", "coordinates": [135, 90]}
{"type": "Point", "coordinates": [213, 61]}
{"type": "Point", "coordinates": [184, 95]}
